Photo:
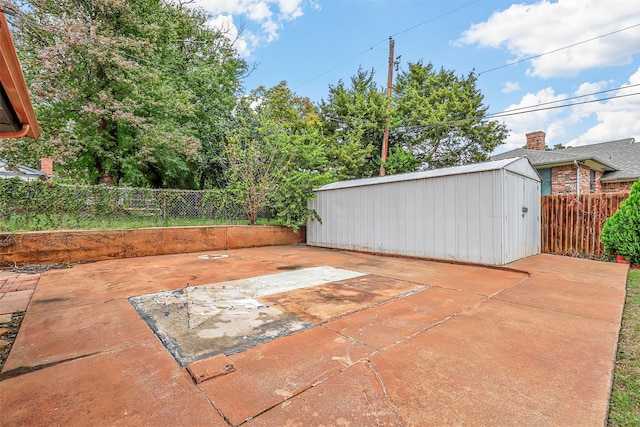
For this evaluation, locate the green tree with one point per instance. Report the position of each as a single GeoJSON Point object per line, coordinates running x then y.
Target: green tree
{"type": "Point", "coordinates": [256, 161]}
{"type": "Point", "coordinates": [207, 66]}
{"type": "Point", "coordinates": [126, 92]}
{"type": "Point", "coordinates": [354, 120]}
{"type": "Point", "coordinates": [280, 104]}
{"type": "Point", "coordinates": [621, 232]}
{"type": "Point", "coordinates": [289, 148]}
{"type": "Point", "coordinates": [438, 117]}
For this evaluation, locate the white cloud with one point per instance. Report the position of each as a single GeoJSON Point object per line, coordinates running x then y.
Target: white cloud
{"type": "Point", "coordinates": [521, 124]}
{"type": "Point", "coordinates": [616, 118]}
{"type": "Point", "coordinates": [263, 19]}
{"type": "Point", "coordinates": [587, 88]}
{"type": "Point", "coordinates": [527, 30]}
{"type": "Point", "coordinates": [225, 24]}
{"type": "Point", "coordinates": [584, 108]}
{"type": "Point", "coordinates": [290, 9]}
{"type": "Point", "coordinates": [510, 87]}
{"type": "Point", "coordinates": [612, 119]}
{"type": "Point", "coordinates": [270, 29]}
{"type": "Point", "coordinates": [259, 11]}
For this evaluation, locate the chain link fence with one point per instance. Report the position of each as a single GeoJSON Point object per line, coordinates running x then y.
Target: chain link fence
{"type": "Point", "coordinates": [43, 205]}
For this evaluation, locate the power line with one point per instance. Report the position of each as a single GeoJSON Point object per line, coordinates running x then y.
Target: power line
{"type": "Point", "coordinates": [384, 41]}
{"type": "Point", "coordinates": [521, 110]}
{"type": "Point", "coordinates": [331, 69]}
{"type": "Point", "coordinates": [435, 18]}
{"type": "Point", "coordinates": [571, 98]}
{"type": "Point", "coordinates": [557, 50]}
{"type": "Point", "coordinates": [515, 113]}
{"type": "Point", "coordinates": [508, 113]}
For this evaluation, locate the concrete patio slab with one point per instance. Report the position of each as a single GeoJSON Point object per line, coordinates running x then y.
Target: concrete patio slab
{"type": "Point", "coordinates": [401, 319]}
{"type": "Point", "coordinates": [579, 298]}
{"type": "Point", "coordinates": [356, 398]}
{"type": "Point", "coordinates": [108, 388]}
{"type": "Point", "coordinates": [76, 331]}
{"type": "Point", "coordinates": [503, 364]}
{"type": "Point", "coordinates": [270, 374]}
{"type": "Point", "coordinates": [414, 342]}
{"type": "Point", "coordinates": [575, 269]}
{"type": "Point", "coordinates": [210, 367]}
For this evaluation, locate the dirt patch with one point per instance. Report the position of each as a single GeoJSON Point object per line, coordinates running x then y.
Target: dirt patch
{"type": "Point", "coordinates": [6, 341]}
{"type": "Point", "coordinates": [322, 303]}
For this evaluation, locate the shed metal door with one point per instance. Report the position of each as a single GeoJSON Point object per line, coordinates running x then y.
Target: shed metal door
{"type": "Point", "coordinates": [522, 221]}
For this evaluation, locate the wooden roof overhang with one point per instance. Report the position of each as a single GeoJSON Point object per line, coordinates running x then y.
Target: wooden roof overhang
{"type": "Point", "coordinates": [17, 117]}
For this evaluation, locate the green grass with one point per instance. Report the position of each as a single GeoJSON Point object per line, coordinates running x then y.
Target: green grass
{"type": "Point", "coordinates": [64, 222]}
{"type": "Point", "coordinates": [625, 398]}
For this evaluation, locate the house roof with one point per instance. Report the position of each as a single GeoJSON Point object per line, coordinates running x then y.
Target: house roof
{"type": "Point", "coordinates": [520, 166]}
{"type": "Point", "coordinates": [618, 160]}
{"type": "Point", "coordinates": [20, 171]}
{"type": "Point", "coordinates": [17, 117]}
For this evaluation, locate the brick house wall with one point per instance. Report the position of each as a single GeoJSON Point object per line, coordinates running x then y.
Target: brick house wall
{"type": "Point", "coordinates": [585, 179]}
{"type": "Point", "coordinates": [598, 183]}
{"type": "Point", "coordinates": [615, 187]}
{"type": "Point", "coordinates": [563, 180]}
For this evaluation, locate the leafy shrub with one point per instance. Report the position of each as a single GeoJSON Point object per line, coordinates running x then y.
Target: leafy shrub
{"type": "Point", "coordinates": [621, 232]}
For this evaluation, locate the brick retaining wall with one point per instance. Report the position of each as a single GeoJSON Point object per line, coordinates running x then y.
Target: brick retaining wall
{"type": "Point", "coordinates": [51, 247]}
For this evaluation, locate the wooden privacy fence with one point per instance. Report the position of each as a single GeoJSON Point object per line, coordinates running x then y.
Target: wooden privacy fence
{"type": "Point", "coordinates": [571, 225]}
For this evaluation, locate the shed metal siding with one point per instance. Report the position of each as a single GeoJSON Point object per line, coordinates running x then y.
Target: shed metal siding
{"type": "Point", "coordinates": [473, 217]}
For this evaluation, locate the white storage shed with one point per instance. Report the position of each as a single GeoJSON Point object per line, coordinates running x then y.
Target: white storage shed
{"type": "Point", "coordinates": [486, 213]}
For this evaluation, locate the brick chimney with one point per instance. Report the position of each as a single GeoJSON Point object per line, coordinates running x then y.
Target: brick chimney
{"type": "Point", "coordinates": [535, 141]}
{"type": "Point", "coordinates": [46, 166]}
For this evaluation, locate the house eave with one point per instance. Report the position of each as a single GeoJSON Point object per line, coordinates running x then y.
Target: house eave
{"type": "Point", "coordinates": [619, 179]}
{"type": "Point", "coordinates": [20, 118]}
{"type": "Point", "coordinates": [592, 162]}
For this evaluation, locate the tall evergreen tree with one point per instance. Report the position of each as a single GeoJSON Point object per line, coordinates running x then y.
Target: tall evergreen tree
{"type": "Point", "coordinates": [354, 120]}
{"type": "Point", "coordinates": [436, 120]}
{"type": "Point", "coordinates": [440, 117]}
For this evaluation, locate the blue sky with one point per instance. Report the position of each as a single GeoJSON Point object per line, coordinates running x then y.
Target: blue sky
{"type": "Point", "coordinates": [314, 44]}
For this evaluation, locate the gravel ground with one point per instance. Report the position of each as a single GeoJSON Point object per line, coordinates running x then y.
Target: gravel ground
{"type": "Point", "coordinates": [7, 340]}
{"type": "Point", "coordinates": [39, 268]}
{"type": "Point", "coordinates": [13, 326]}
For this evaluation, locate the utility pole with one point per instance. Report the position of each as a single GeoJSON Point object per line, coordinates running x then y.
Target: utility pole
{"type": "Point", "coordinates": [385, 139]}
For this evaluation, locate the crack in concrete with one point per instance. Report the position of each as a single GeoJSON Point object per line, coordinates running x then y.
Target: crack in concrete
{"type": "Point", "coordinates": [206, 396]}
{"type": "Point", "coordinates": [384, 390]}
{"type": "Point", "coordinates": [22, 370]}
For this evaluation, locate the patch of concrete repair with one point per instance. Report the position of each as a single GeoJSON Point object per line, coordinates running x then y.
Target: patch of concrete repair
{"type": "Point", "coordinates": [202, 321]}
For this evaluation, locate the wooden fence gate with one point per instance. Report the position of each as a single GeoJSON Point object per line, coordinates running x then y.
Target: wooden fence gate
{"type": "Point", "coordinates": [571, 225]}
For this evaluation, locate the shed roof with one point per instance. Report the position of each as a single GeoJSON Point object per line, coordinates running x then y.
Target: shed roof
{"type": "Point", "coordinates": [520, 165]}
